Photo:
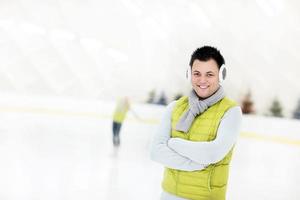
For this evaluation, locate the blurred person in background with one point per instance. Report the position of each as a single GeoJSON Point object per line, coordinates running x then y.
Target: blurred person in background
{"type": "Point", "coordinates": [197, 133]}
{"type": "Point", "coordinates": [119, 116]}
{"type": "Point", "coordinates": [120, 113]}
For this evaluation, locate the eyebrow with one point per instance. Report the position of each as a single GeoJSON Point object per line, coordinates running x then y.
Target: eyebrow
{"type": "Point", "coordinates": [205, 72]}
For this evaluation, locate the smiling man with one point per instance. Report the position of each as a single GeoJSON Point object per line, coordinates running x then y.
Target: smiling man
{"type": "Point", "coordinates": [197, 133]}
{"type": "Point", "coordinates": [205, 77]}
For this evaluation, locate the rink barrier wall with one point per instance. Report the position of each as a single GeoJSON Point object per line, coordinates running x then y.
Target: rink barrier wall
{"type": "Point", "coordinates": [255, 135]}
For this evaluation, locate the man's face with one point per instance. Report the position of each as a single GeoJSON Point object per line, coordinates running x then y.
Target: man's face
{"type": "Point", "coordinates": [205, 77]}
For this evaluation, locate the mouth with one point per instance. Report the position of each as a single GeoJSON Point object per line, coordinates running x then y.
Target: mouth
{"type": "Point", "coordinates": [203, 86]}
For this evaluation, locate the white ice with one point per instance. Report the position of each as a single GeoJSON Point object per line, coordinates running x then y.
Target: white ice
{"type": "Point", "coordinates": [61, 149]}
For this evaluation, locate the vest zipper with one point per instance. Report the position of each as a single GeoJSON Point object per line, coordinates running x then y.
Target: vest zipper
{"type": "Point", "coordinates": [209, 178]}
{"type": "Point", "coordinates": [177, 178]}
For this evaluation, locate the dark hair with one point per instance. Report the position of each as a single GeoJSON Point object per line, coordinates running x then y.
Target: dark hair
{"type": "Point", "coordinates": [206, 53]}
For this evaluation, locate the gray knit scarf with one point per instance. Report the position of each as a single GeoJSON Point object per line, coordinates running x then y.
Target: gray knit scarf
{"type": "Point", "coordinates": [196, 107]}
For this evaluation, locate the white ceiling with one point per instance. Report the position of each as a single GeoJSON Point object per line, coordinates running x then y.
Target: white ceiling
{"type": "Point", "coordinates": [104, 49]}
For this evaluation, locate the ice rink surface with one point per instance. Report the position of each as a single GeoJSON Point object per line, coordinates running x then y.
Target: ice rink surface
{"type": "Point", "coordinates": [62, 150]}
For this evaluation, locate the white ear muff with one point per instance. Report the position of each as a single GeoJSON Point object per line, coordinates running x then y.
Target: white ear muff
{"type": "Point", "coordinates": [188, 74]}
{"type": "Point", "coordinates": [222, 74]}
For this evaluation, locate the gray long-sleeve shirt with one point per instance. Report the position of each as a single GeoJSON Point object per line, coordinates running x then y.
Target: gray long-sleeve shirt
{"type": "Point", "coordinates": [177, 153]}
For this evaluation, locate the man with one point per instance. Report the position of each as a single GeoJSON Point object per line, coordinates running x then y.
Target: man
{"type": "Point", "coordinates": [119, 115]}
{"type": "Point", "coordinates": [197, 133]}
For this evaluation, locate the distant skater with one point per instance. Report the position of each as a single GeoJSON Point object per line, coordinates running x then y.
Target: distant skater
{"type": "Point", "coordinates": [119, 116]}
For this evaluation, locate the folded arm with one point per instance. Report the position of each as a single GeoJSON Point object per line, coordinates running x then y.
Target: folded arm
{"type": "Point", "coordinates": [162, 153]}
{"type": "Point", "coordinates": [216, 150]}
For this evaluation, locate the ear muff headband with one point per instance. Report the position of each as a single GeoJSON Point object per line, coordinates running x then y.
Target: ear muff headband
{"type": "Point", "coordinates": [188, 74]}
{"type": "Point", "coordinates": [222, 74]}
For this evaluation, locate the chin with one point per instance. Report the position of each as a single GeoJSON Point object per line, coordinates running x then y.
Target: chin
{"type": "Point", "coordinates": [201, 95]}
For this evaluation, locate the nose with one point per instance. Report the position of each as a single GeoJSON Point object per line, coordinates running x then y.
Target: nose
{"type": "Point", "coordinates": [202, 79]}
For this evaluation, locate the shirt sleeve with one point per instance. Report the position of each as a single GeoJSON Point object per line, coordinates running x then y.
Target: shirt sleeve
{"type": "Point", "coordinates": [162, 153]}
{"type": "Point", "coordinates": [212, 151]}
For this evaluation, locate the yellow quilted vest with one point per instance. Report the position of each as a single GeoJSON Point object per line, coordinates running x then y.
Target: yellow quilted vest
{"type": "Point", "coordinates": [120, 111]}
{"type": "Point", "coordinates": [211, 182]}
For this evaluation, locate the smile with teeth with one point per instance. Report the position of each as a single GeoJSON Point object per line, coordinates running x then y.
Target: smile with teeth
{"type": "Point", "coordinates": [203, 86]}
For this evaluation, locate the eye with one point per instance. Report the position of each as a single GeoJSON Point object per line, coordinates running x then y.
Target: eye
{"type": "Point", "coordinates": [210, 75]}
{"type": "Point", "coordinates": [196, 74]}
